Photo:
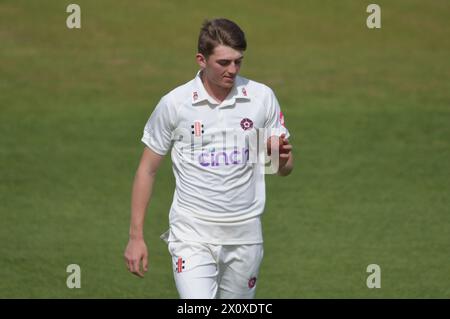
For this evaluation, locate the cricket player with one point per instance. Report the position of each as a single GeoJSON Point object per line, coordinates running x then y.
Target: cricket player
{"type": "Point", "coordinates": [209, 125]}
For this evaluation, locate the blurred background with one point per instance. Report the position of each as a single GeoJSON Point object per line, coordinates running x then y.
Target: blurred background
{"type": "Point", "coordinates": [368, 111]}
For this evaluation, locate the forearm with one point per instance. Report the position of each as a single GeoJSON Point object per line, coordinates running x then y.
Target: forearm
{"type": "Point", "coordinates": [141, 194]}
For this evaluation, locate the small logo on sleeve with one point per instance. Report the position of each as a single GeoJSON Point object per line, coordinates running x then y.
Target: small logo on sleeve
{"type": "Point", "coordinates": [179, 265]}
{"type": "Point", "coordinates": [282, 119]}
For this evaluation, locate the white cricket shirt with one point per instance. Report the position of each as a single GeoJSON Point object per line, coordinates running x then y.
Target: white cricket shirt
{"type": "Point", "coordinates": [220, 190]}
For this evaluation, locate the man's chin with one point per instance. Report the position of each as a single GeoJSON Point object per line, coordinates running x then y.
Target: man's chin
{"type": "Point", "coordinates": [227, 84]}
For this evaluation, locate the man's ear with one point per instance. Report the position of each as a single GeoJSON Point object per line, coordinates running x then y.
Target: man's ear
{"type": "Point", "coordinates": [201, 60]}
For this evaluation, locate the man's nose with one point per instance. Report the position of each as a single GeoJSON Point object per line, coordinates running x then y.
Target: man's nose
{"type": "Point", "coordinates": [233, 68]}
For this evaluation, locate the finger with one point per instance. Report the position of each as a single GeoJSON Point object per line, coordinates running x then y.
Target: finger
{"type": "Point", "coordinates": [287, 147]}
{"type": "Point", "coordinates": [285, 150]}
{"type": "Point", "coordinates": [130, 265]}
{"type": "Point", "coordinates": [138, 274]}
{"type": "Point", "coordinates": [145, 263]}
{"type": "Point", "coordinates": [133, 267]}
{"type": "Point", "coordinates": [284, 156]}
{"type": "Point", "coordinates": [285, 140]}
{"type": "Point", "coordinates": [136, 269]}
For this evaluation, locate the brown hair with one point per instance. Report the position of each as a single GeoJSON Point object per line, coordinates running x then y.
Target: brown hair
{"type": "Point", "coordinates": [220, 31]}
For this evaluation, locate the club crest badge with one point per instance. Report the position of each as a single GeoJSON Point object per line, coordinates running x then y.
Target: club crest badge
{"type": "Point", "coordinates": [246, 124]}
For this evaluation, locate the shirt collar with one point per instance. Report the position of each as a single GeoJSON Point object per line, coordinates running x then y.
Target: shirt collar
{"type": "Point", "coordinates": [199, 93]}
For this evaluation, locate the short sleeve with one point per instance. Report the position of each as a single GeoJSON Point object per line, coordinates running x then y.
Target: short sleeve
{"type": "Point", "coordinates": [159, 127]}
{"type": "Point", "coordinates": [275, 118]}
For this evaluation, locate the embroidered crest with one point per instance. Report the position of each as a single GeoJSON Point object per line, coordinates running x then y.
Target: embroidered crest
{"type": "Point", "coordinates": [246, 124]}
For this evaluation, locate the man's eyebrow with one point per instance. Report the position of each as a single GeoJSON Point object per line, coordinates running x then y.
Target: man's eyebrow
{"type": "Point", "coordinates": [227, 60]}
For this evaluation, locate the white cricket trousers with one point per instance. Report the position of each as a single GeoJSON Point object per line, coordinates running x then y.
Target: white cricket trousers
{"type": "Point", "coordinates": [206, 271]}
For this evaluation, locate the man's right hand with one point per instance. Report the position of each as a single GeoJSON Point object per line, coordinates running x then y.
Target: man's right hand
{"type": "Point", "coordinates": [136, 252]}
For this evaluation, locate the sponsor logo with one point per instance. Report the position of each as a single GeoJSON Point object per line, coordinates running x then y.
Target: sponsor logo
{"type": "Point", "coordinates": [179, 265]}
{"type": "Point", "coordinates": [197, 128]}
{"type": "Point", "coordinates": [214, 159]}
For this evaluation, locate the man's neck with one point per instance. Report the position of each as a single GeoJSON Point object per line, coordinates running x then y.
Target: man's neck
{"type": "Point", "coordinates": [216, 92]}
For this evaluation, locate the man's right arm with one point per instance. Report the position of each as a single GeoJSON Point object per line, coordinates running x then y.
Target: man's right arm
{"type": "Point", "coordinates": [136, 251]}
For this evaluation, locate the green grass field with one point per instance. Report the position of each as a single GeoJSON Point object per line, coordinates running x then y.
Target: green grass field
{"type": "Point", "coordinates": [368, 111]}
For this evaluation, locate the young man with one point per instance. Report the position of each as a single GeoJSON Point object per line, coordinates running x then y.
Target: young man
{"type": "Point", "coordinates": [215, 236]}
